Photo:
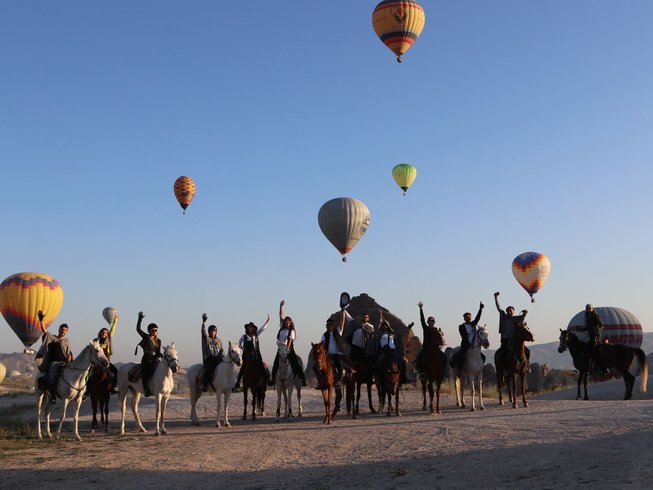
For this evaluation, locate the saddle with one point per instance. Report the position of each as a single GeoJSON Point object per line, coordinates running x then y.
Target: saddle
{"type": "Point", "coordinates": [135, 374]}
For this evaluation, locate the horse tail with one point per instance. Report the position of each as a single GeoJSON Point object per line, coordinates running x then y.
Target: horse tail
{"type": "Point", "coordinates": [643, 364]}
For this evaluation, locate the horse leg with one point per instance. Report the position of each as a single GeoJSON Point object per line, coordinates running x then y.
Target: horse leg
{"type": "Point", "coordinates": [423, 393]}
{"type": "Point", "coordinates": [290, 390]}
{"type": "Point", "coordinates": [245, 388]}
{"type": "Point", "coordinates": [369, 397]}
{"type": "Point", "coordinates": [437, 393]}
{"type": "Point", "coordinates": [629, 381]}
{"type": "Point", "coordinates": [164, 404]}
{"type": "Point", "coordinates": [39, 402]}
{"type": "Point", "coordinates": [336, 409]}
{"type": "Point", "coordinates": [500, 384]}
{"type": "Point", "coordinates": [397, 413]}
{"type": "Point", "coordinates": [514, 386]}
{"type": "Point", "coordinates": [63, 417]}
{"type": "Point", "coordinates": [431, 393]}
{"type": "Point", "coordinates": [473, 389]}
{"type": "Point", "coordinates": [136, 397]}
{"type": "Point", "coordinates": [122, 400]}
{"type": "Point", "coordinates": [278, 388]}
{"type": "Point", "coordinates": [298, 387]}
{"type": "Point", "coordinates": [480, 391]}
{"type": "Point", "coordinates": [94, 404]}
{"type": "Point", "coordinates": [76, 417]}
{"type": "Point", "coordinates": [227, 396]}
{"type": "Point", "coordinates": [218, 408]}
{"type": "Point", "coordinates": [327, 407]}
{"type": "Point", "coordinates": [106, 412]}
{"type": "Point", "coordinates": [157, 425]}
{"type": "Point", "coordinates": [254, 402]}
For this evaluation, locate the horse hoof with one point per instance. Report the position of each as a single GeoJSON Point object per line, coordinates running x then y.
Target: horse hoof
{"type": "Point", "coordinates": [473, 409]}
{"type": "Point", "coordinates": [164, 432]}
{"type": "Point", "coordinates": [156, 434]}
{"type": "Point", "coordinates": [439, 412]}
{"type": "Point", "coordinates": [482, 407]}
{"type": "Point", "coordinates": [227, 424]}
{"type": "Point", "coordinates": [525, 405]}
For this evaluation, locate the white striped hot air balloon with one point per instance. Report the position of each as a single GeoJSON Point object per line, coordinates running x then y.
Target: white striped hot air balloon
{"type": "Point", "coordinates": [619, 326]}
{"type": "Point", "coordinates": [109, 313]}
{"type": "Point", "coordinates": [344, 221]}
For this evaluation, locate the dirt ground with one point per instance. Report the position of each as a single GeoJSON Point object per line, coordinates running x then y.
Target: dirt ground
{"type": "Point", "coordinates": [557, 441]}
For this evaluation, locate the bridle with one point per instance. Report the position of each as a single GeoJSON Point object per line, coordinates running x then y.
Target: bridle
{"type": "Point", "coordinates": [233, 357]}
{"type": "Point", "coordinates": [169, 360]}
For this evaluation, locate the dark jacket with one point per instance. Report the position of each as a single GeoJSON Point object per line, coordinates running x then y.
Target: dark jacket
{"type": "Point", "coordinates": [463, 330]}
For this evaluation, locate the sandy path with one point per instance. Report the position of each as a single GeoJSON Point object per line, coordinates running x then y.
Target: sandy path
{"type": "Point", "coordinates": [603, 443]}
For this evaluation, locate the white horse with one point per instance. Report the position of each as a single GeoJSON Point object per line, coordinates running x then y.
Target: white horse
{"type": "Point", "coordinates": [285, 382]}
{"type": "Point", "coordinates": [221, 384]}
{"type": "Point", "coordinates": [472, 369]}
{"type": "Point", "coordinates": [70, 387]}
{"type": "Point", "coordinates": [161, 385]}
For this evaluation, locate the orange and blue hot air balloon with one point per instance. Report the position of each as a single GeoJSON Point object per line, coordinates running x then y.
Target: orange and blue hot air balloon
{"type": "Point", "coordinates": [22, 296]}
{"type": "Point", "coordinates": [184, 191]}
{"type": "Point", "coordinates": [398, 23]}
{"type": "Point", "coordinates": [531, 269]}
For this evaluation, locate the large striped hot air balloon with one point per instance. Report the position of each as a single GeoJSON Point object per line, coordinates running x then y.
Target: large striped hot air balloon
{"type": "Point", "coordinates": [404, 175]}
{"type": "Point", "coordinates": [344, 221]}
{"type": "Point", "coordinates": [22, 296]}
{"type": "Point", "coordinates": [531, 269]}
{"type": "Point", "coordinates": [184, 191]}
{"type": "Point", "coordinates": [619, 326]}
{"type": "Point", "coordinates": [109, 313]}
{"type": "Point", "coordinates": [398, 23]}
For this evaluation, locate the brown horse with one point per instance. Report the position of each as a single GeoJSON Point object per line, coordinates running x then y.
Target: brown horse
{"type": "Point", "coordinates": [325, 379]}
{"type": "Point", "coordinates": [100, 385]}
{"type": "Point", "coordinates": [391, 384]}
{"type": "Point", "coordinates": [513, 362]}
{"type": "Point", "coordinates": [254, 377]}
{"type": "Point", "coordinates": [435, 365]}
{"type": "Point", "coordinates": [364, 375]}
{"type": "Point", "coordinates": [615, 356]}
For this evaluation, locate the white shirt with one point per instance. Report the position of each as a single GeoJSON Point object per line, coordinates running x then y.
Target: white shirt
{"type": "Point", "coordinates": [471, 334]}
{"type": "Point", "coordinates": [332, 348]}
{"type": "Point", "coordinates": [389, 340]}
{"type": "Point", "coordinates": [358, 339]}
{"type": "Point", "coordinates": [284, 333]}
{"type": "Point", "coordinates": [248, 338]}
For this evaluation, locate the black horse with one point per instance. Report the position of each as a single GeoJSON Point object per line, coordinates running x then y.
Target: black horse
{"type": "Point", "coordinates": [615, 356]}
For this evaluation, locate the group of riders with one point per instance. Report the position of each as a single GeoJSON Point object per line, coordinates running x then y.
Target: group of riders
{"type": "Point", "coordinates": [364, 343]}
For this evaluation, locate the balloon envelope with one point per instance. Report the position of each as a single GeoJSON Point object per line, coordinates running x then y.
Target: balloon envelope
{"type": "Point", "coordinates": [22, 296]}
{"type": "Point", "coordinates": [344, 221]}
{"type": "Point", "coordinates": [3, 372]}
{"type": "Point", "coordinates": [184, 191]}
{"type": "Point", "coordinates": [531, 269]}
{"type": "Point", "coordinates": [404, 175]}
{"type": "Point", "coordinates": [109, 313]}
{"type": "Point", "coordinates": [398, 23]}
{"type": "Point", "coordinates": [619, 326]}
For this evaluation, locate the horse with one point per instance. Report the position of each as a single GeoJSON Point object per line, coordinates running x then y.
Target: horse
{"type": "Point", "coordinates": [434, 369]}
{"type": "Point", "coordinates": [161, 385]}
{"type": "Point", "coordinates": [254, 377]}
{"type": "Point", "coordinates": [611, 355]}
{"type": "Point", "coordinates": [391, 384]}
{"type": "Point", "coordinates": [100, 385]}
{"type": "Point", "coordinates": [71, 385]}
{"type": "Point", "coordinates": [286, 381]}
{"type": "Point", "coordinates": [513, 362]}
{"type": "Point", "coordinates": [364, 375]}
{"type": "Point", "coordinates": [221, 384]}
{"type": "Point", "coordinates": [472, 368]}
{"type": "Point", "coordinates": [325, 377]}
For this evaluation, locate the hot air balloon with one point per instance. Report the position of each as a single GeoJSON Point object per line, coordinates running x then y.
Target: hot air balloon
{"type": "Point", "coordinates": [22, 296]}
{"type": "Point", "coordinates": [3, 372]}
{"type": "Point", "coordinates": [344, 221]}
{"type": "Point", "coordinates": [398, 23]}
{"type": "Point", "coordinates": [109, 313]}
{"type": "Point", "coordinates": [184, 191]}
{"type": "Point", "coordinates": [404, 175]}
{"type": "Point", "coordinates": [619, 326]}
{"type": "Point", "coordinates": [531, 269]}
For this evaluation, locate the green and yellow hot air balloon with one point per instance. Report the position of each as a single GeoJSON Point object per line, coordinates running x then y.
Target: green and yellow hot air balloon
{"type": "Point", "coordinates": [398, 23]}
{"type": "Point", "coordinates": [404, 175]}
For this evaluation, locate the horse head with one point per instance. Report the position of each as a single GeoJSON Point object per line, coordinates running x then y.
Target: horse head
{"type": "Point", "coordinates": [319, 354]}
{"type": "Point", "coordinates": [234, 353]}
{"type": "Point", "coordinates": [564, 335]}
{"type": "Point", "coordinates": [97, 354]}
{"type": "Point", "coordinates": [438, 336]}
{"type": "Point", "coordinates": [282, 348]}
{"type": "Point", "coordinates": [170, 357]}
{"type": "Point", "coordinates": [525, 335]}
{"type": "Point", "coordinates": [482, 336]}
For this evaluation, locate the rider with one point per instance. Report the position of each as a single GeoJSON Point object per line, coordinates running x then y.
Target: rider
{"type": "Point", "coordinates": [286, 334]}
{"type": "Point", "coordinates": [430, 332]}
{"type": "Point", "coordinates": [56, 354]}
{"type": "Point", "coordinates": [467, 332]}
{"type": "Point", "coordinates": [335, 345]}
{"type": "Point", "coordinates": [507, 324]}
{"type": "Point", "coordinates": [594, 328]}
{"type": "Point", "coordinates": [104, 337]}
{"type": "Point", "coordinates": [251, 335]}
{"type": "Point", "coordinates": [393, 348]}
{"type": "Point", "coordinates": [363, 331]}
{"type": "Point", "coordinates": [151, 345]}
{"type": "Point", "coordinates": [212, 353]}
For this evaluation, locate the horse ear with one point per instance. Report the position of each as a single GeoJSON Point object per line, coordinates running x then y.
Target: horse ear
{"type": "Point", "coordinates": [172, 345]}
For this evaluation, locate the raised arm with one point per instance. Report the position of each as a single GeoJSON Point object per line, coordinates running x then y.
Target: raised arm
{"type": "Point", "coordinates": [265, 324]}
{"type": "Point", "coordinates": [478, 315]}
{"type": "Point", "coordinates": [343, 317]}
{"type": "Point", "coordinates": [421, 315]}
{"type": "Point", "coordinates": [204, 318]}
{"type": "Point", "coordinates": [112, 330]}
{"type": "Point", "coordinates": [283, 302]}
{"type": "Point", "coordinates": [138, 325]}
{"type": "Point", "coordinates": [496, 302]}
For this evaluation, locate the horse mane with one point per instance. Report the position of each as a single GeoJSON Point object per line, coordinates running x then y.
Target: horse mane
{"type": "Point", "coordinates": [77, 361]}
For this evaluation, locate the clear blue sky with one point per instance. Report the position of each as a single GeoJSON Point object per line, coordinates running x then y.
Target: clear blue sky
{"type": "Point", "coordinates": [530, 124]}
